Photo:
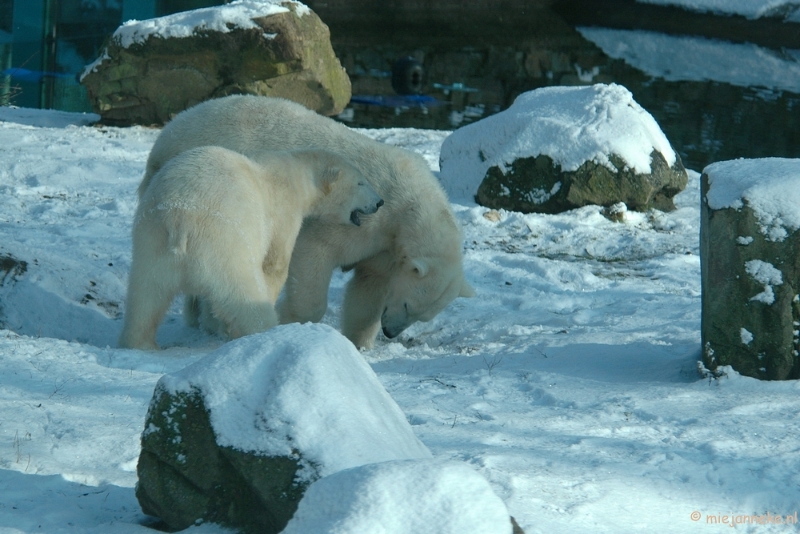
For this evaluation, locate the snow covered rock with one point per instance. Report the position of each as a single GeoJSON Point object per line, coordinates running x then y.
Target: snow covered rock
{"type": "Point", "coordinates": [560, 148]}
{"type": "Point", "coordinates": [151, 70]}
{"type": "Point", "coordinates": [402, 497]}
{"type": "Point", "coordinates": [238, 436]}
{"type": "Point", "coordinates": [750, 266]}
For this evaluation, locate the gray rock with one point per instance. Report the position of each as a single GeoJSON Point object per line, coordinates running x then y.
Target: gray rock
{"type": "Point", "coordinates": [750, 284]}
{"type": "Point", "coordinates": [237, 437]}
{"type": "Point", "coordinates": [538, 185]}
{"type": "Point", "coordinates": [287, 55]}
{"type": "Point", "coordinates": [185, 477]}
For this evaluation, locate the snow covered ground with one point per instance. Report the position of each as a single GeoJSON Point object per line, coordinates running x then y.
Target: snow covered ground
{"type": "Point", "coordinates": [752, 9]}
{"type": "Point", "coordinates": [701, 59]}
{"type": "Point", "coordinates": [569, 382]}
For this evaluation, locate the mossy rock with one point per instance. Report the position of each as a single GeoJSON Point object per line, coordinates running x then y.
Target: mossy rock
{"type": "Point", "coordinates": [538, 185]}
{"type": "Point", "coordinates": [288, 55]}
{"type": "Point", "coordinates": [748, 321]}
{"type": "Point", "coordinates": [186, 478]}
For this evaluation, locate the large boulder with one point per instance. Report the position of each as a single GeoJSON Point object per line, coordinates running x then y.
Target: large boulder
{"type": "Point", "coordinates": [560, 148]}
{"type": "Point", "coordinates": [750, 266]}
{"type": "Point", "coordinates": [408, 496]}
{"type": "Point", "coordinates": [237, 437]}
{"type": "Point", "coordinates": [151, 70]}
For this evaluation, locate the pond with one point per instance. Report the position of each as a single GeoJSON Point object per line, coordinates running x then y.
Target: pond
{"type": "Point", "coordinates": [721, 87]}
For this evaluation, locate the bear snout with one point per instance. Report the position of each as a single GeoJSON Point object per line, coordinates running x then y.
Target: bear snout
{"type": "Point", "coordinates": [371, 208]}
{"type": "Point", "coordinates": [389, 334]}
{"type": "Point", "coordinates": [355, 215]}
{"type": "Point", "coordinates": [393, 327]}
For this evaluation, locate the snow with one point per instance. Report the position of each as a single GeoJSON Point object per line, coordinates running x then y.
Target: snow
{"type": "Point", "coordinates": [768, 186]}
{"type": "Point", "coordinates": [700, 59]}
{"type": "Point", "coordinates": [299, 387]}
{"type": "Point", "coordinates": [752, 9]}
{"type": "Point", "coordinates": [572, 125]}
{"type": "Point", "coordinates": [764, 273]}
{"type": "Point", "coordinates": [423, 497]}
{"type": "Point", "coordinates": [224, 18]}
{"type": "Point", "coordinates": [747, 336]}
{"type": "Point", "coordinates": [569, 383]}
{"type": "Point", "coordinates": [237, 14]}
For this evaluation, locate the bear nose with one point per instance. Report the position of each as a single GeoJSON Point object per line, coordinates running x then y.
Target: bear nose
{"type": "Point", "coordinates": [379, 204]}
{"type": "Point", "coordinates": [389, 334]}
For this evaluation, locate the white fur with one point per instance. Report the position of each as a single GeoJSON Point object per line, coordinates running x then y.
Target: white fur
{"type": "Point", "coordinates": [406, 257]}
{"type": "Point", "coordinates": [218, 225]}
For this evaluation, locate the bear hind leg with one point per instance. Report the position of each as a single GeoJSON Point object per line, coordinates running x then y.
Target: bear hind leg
{"type": "Point", "coordinates": [150, 292]}
{"type": "Point", "coordinates": [238, 302]}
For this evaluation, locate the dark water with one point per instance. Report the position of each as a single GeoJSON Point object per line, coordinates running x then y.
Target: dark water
{"type": "Point", "coordinates": [477, 57]}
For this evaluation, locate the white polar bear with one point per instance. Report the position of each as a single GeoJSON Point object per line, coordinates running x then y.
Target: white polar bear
{"type": "Point", "coordinates": [220, 226]}
{"type": "Point", "coordinates": [407, 258]}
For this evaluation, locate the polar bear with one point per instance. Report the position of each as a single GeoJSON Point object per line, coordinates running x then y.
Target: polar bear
{"type": "Point", "coordinates": [218, 225]}
{"type": "Point", "coordinates": [407, 258]}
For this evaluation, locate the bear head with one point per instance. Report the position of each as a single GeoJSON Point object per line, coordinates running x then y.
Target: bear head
{"type": "Point", "coordinates": [347, 195]}
{"type": "Point", "coordinates": [420, 289]}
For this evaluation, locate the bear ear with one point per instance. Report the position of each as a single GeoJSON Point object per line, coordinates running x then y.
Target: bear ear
{"type": "Point", "coordinates": [419, 266]}
{"type": "Point", "coordinates": [329, 177]}
{"type": "Point", "coordinates": [466, 290]}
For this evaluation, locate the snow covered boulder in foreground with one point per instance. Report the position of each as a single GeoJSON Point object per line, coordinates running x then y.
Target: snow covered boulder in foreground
{"type": "Point", "coordinates": [237, 437]}
{"type": "Point", "coordinates": [150, 70]}
{"type": "Point", "coordinates": [560, 148]}
{"type": "Point", "coordinates": [402, 497]}
{"type": "Point", "coordinates": [750, 266]}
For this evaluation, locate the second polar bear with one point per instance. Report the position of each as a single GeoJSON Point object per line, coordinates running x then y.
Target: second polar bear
{"type": "Point", "coordinates": [218, 225]}
{"type": "Point", "coordinates": [406, 260]}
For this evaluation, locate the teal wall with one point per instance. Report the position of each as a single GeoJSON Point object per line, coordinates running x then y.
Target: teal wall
{"type": "Point", "coordinates": [45, 44]}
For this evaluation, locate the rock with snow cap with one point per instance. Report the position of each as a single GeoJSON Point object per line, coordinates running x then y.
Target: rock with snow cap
{"type": "Point", "coordinates": [750, 267]}
{"type": "Point", "coordinates": [560, 148]}
{"type": "Point", "coordinates": [151, 70]}
{"type": "Point", "coordinates": [237, 437]}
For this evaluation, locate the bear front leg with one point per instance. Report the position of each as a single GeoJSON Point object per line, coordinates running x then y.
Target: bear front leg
{"type": "Point", "coordinates": [305, 296]}
{"type": "Point", "coordinates": [364, 300]}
